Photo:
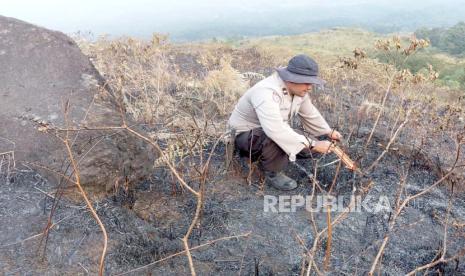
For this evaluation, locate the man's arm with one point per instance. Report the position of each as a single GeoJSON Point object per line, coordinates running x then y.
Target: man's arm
{"type": "Point", "coordinates": [267, 108]}
{"type": "Point", "coordinates": [312, 120]}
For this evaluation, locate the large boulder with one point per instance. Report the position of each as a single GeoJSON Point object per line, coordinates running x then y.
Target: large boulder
{"type": "Point", "coordinates": [41, 71]}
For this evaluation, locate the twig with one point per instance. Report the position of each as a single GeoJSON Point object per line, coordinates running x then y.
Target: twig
{"type": "Point", "coordinates": [393, 138]}
{"type": "Point", "coordinates": [329, 240]}
{"type": "Point", "coordinates": [37, 235]}
{"type": "Point", "coordinates": [183, 252]}
{"type": "Point", "coordinates": [442, 259]}
{"type": "Point", "coordinates": [189, 231]}
{"type": "Point", "coordinates": [86, 199]}
{"type": "Point", "coordinates": [45, 193]}
{"type": "Point", "coordinates": [168, 163]}
{"type": "Point", "coordinates": [386, 94]}
{"type": "Point", "coordinates": [405, 202]}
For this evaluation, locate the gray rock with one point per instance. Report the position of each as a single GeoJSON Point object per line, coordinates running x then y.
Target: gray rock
{"type": "Point", "coordinates": [40, 71]}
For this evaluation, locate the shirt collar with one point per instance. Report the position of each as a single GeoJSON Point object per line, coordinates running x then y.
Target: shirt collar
{"type": "Point", "coordinates": [281, 84]}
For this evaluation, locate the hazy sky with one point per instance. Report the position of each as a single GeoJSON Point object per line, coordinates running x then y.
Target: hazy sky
{"type": "Point", "coordinates": [74, 15]}
{"type": "Point", "coordinates": [142, 17]}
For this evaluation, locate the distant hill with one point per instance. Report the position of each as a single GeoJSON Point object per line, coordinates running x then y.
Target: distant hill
{"type": "Point", "coordinates": [450, 40]}
{"type": "Point", "coordinates": [327, 44]}
{"type": "Point", "coordinates": [332, 44]}
{"type": "Point", "coordinates": [203, 19]}
{"type": "Point", "coordinates": [274, 18]}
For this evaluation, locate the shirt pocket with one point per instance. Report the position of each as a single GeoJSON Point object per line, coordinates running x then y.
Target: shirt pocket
{"type": "Point", "coordinates": [285, 113]}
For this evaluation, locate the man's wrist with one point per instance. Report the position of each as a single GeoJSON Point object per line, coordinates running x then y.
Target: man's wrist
{"type": "Point", "coordinates": [312, 144]}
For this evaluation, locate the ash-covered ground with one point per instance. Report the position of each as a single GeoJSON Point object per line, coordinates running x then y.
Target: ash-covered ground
{"type": "Point", "coordinates": [147, 225]}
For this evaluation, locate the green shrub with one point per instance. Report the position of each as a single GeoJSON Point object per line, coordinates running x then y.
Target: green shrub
{"type": "Point", "coordinates": [451, 40]}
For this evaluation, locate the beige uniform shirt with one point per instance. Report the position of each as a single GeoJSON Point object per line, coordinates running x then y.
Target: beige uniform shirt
{"type": "Point", "coordinates": [268, 105]}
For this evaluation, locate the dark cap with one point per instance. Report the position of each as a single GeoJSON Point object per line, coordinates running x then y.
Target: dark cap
{"type": "Point", "coordinates": [301, 69]}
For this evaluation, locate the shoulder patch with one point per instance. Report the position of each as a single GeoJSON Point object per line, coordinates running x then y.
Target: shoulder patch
{"type": "Point", "coordinates": [276, 97]}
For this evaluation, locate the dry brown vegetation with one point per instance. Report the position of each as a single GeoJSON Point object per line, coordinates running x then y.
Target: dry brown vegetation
{"type": "Point", "coordinates": [184, 94]}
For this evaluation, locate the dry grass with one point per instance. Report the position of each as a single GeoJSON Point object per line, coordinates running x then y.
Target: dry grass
{"type": "Point", "coordinates": [180, 89]}
{"type": "Point", "coordinates": [187, 91]}
{"type": "Point", "coordinates": [138, 71]}
{"type": "Point", "coordinates": [224, 85]}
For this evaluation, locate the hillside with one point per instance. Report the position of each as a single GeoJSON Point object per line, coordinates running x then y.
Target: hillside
{"type": "Point", "coordinates": [401, 212]}
{"type": "Point", "coordinates": [336, 43]}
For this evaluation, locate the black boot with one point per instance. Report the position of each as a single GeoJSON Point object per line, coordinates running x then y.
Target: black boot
{"type": "Point", "coordinates": [280, 181]}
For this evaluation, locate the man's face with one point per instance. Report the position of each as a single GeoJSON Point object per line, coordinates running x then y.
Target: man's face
{"type": "Point", "coordinates": [298, 89]}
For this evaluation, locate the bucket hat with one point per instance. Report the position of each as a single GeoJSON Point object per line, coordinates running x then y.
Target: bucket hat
{"type": "Point", "coordinates": [301, 69]}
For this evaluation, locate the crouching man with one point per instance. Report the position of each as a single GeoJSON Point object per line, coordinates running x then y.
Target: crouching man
{"type": "Point", "coordinates": [262, 117]}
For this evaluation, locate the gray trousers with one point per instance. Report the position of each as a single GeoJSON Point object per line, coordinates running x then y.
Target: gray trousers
{"type": "Point", "coordinates": [259, 147]}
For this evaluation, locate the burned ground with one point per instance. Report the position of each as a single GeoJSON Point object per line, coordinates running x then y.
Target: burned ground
{"type": "Point", "coordinates": [149, 227]}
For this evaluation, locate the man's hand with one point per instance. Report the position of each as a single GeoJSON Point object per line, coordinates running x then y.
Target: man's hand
{"type": "Point", "coordinates": [335, 135]}
{"type": "Point", "coordinates": [323, 146]}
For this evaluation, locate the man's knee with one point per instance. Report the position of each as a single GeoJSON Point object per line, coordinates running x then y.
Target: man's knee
{"type": "Point", "coordinates": [273, 157]}
{"type": "Point", "coordinates": [257, 145]}
{"type": "Point", "coordinates": [250, 141]}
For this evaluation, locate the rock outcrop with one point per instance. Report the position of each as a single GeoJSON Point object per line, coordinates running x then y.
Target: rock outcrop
{"type": "Point", "coordinates": [41, 71]}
